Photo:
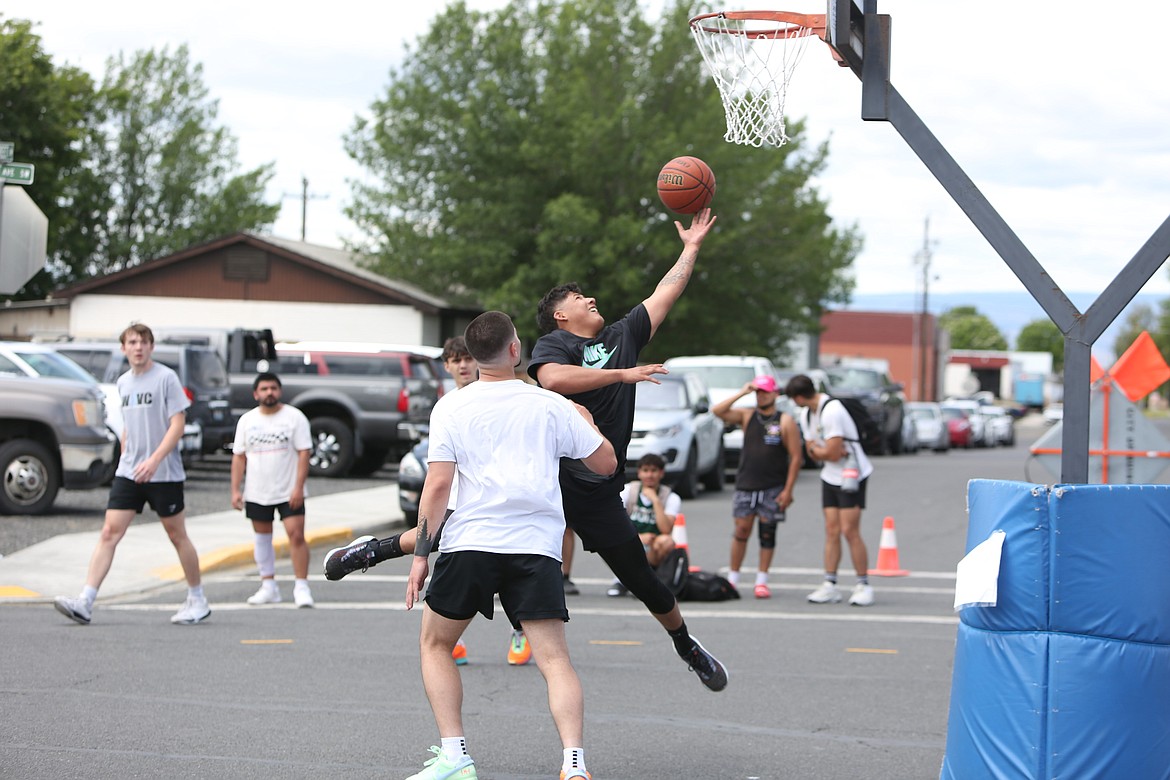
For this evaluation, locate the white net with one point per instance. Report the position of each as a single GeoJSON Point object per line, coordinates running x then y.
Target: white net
{"type": "Point", "coordinates": [752, 61]}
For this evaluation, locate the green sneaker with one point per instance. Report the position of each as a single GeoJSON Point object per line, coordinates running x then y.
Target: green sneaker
{"type": "Point", "coordinates": [439, 768]}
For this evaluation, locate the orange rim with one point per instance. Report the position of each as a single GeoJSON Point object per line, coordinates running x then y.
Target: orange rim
{"type": "Point", "coordinates": [785, 21]}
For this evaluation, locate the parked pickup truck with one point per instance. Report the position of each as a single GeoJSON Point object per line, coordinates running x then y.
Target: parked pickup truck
{"type": "Point", "coordinates": [52, 435]}
{"type": "Point", "coordinates": [365, 402]}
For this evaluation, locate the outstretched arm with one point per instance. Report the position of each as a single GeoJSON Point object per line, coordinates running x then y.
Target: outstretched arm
{"type": "Point", "coordinates": [660, 302]}
{"type": "Point", "coordinates": [432, 512]}
{"type": "Point", "coordinates": [569, 380]}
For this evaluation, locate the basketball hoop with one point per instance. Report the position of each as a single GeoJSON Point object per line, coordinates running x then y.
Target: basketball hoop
{"type": "Point", "coordinates": [752, 56]}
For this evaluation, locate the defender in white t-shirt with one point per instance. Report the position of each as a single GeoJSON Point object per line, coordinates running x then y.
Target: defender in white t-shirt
{"type": "Point", "coordinates": [270, 462]}
{"type": "Point", "coordinates": [503, 440]}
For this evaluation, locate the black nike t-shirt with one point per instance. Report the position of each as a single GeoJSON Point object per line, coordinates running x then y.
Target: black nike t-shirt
{"type": "Point", "coordinates": [612, 406]}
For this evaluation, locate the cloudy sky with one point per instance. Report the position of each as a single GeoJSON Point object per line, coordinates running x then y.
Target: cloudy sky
{"type": "Point", "coordinates": [1054, 111]}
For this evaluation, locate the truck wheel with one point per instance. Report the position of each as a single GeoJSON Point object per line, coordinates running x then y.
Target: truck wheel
{"type": "Point", "coordinates": [31, 478]}
{"type": "Point", "coordinates": [332, 454]}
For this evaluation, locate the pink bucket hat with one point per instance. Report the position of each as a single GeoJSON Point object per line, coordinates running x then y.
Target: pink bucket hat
{"type": "Point", "coordinates": [765, 383]}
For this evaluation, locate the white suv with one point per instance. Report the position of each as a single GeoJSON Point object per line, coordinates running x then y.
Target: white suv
{"type": "Point", "coordinates": [725, 375]}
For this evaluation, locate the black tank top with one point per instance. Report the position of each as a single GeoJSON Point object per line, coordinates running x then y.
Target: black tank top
{"type": "Point", "coordinates": [763, 463]}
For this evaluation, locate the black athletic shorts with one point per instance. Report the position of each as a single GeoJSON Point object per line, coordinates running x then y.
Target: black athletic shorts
{"type": "Point", "coordinates": [466, 582]}
{"type": "Point", "coordinates": [595, 512]}
{"type": "Point", "coordinates": [166, 498]}
{"type": "Point", "coordinates": [264, 513]}
{"type": "Point", "coordinates": [834, 496]}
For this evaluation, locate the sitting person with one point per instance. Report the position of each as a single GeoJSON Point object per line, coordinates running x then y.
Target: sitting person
{"type": "Point", "coordinates": [653, 507]}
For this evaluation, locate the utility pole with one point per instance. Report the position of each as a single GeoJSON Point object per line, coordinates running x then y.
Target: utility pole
{"type": "Point", "coordinates": [925, 340]}
{"type": "Point", "coordinates": [304, 198]}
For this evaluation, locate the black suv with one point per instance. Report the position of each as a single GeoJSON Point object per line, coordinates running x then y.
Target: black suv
{"type": "Point", "coordinates": [200, 369]}
{"type": "Point", "coordinates": [882, 397]}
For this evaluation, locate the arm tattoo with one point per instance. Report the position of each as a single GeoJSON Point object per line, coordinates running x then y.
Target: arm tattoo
{"type": "Point", "coordinates": [681, 272]}
{"type": "Point", "coordinates": [424, 541]}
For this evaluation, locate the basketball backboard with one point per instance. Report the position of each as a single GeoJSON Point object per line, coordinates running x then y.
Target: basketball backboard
{"type": "Point", "coordinates": [845, 32]}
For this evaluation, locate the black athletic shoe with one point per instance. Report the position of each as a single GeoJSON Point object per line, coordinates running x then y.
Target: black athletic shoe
{"type": "Point", "coordinates": [355, 556]}
{"type": "Point", "coordinates": [710, 671]}
{"type": "Point", "coordinates": [570, 588]}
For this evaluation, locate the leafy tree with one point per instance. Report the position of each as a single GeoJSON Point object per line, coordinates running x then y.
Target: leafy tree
{"type": "Point", "coordinates": [44, 111]}
{"type": "Point", "coordinates": [1042, 335]}
{"type": "Point", "coordinates": [518, 149]}
{"type": "Point", "coordinates": [971, 330]}
{"type": "Point", "coordinates": [1140, 318]}
{"type": "Point", "coordinates": [168, 164]}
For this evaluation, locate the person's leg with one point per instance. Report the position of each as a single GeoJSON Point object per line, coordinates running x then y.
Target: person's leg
{"type": "Point", "coordinates": [850, 527]}
{"type": "Point", "coordinates": [566, 701]}
{"type": "Point", "coordinates": [441, 678]}
{"type": "Point", "coordinates": [113, 529]}
{"type": "Point", "coordinates": [832, 540]}
{"type": "Point", "coordinates": [298, 550]}
{"type": "Point", "coordinates": [176, 527]}
{"type": "Point", "coordinates": [739, 539]}
{"type": "Point", "coordinates": [568, 543]}
{"type": "Point", "coordinates": [660, 547]}
{"type": "Point", "coordinates": [263, 551]}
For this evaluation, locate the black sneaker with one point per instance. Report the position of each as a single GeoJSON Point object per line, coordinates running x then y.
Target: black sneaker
{"type": "Point", "coordinates": [355, 556]}
{"type": "Point", "coordinates": [570, 588]}
{"type": "Point", "coordinates": [710, 671]}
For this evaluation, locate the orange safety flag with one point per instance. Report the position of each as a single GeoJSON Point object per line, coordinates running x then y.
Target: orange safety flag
{"type": "Point", "coordinates": [1141, 370]}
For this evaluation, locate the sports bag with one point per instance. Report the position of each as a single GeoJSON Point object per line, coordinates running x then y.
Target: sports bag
{"type": "Point", "coordinates": [869, 434]}
{"type": "Point", "coordinates": [674, 570]}
{"type": "Point", "coordinates": [707, 586]}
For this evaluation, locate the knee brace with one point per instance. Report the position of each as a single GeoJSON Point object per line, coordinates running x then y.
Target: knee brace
{"type": "Point", "coordinates": [265, 555]}
{"type": "Point", "coordinates": [767, 535]}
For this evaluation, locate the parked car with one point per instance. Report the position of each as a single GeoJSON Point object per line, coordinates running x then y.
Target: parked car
{"type": "Point", "coordinates": [958, 426]}
{"type": "Point", "coordinates": [929, 424]}
{"type": "Point", "coordinates": [674, 420]}
{"type": "Point", "coordinates": [725, 375]}
{"type": "Point", "coordinates": [1000, 426]}
{"type": "Point", "coordinates": [211, 427]}
{"type": "Point", "coordinates": [977, 421]}
{"type": "Point", "coordinates": [53, 435]}
{"type": "Point", "coordinates": [412, 473]}
{"type": "Point", "coordinates": [882, 397]}
{"type": "Point", "coordinates": [910, 442]}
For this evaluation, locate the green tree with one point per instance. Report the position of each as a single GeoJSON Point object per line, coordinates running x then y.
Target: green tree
{"type": "Point", "coordinates": [971, 330]}
{"type": "Point", "coordinates": [1042, 335]}
{"type": "Point", "coordinates": [518, 149]}
{"type": "Point", "coordinates": [168, 164]}
{"type": "Point", "coordinates": [44, 111]}
{"type": "Point", "coordinates": [1139, 318]}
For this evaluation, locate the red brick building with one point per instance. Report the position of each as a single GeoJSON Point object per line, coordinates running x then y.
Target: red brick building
{"type": "Point", "coordinates": [910, 342]}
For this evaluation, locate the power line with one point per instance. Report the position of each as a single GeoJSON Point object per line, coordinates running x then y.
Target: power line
{"type": "Point", "coordinates": [304, 197]}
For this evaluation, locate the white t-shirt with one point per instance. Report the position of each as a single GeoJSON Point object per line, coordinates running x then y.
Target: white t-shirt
{"type": "Point", "coordinates": [507, 439]}
{"type": "Point", "coordinates": [271, 443]}
{"type": "Point", "coordinates": [834, 421]}
{"type": "Point", "coordinates": [149, 401]}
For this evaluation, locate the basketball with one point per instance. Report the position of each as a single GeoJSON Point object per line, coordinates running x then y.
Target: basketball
{"type": "Point", "coordinates": [686, 185]}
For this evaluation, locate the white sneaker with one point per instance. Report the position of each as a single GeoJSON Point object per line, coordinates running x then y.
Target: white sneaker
{"type": "Point", "coordinates": [301, 595]}
{"type": "Point", "coordinates": [77, 609]}
{"type": "Point", "coordinates": [862, 595]}
{"type": "Point", "coordinates": [826, 594]}
{"type": "Point", "coordinates": [268, 594]}
{"type": "Point", "coordinates": [193, 611]}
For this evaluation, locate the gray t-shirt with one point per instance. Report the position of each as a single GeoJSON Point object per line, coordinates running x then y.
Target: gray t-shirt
{"type": "Point", "coordinates": [149, 400]}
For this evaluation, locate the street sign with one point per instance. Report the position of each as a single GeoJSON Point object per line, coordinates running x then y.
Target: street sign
{"type": "Point", "coordinates": [7, 148]}
{"type": "Point", "coordinates": [16, 173]}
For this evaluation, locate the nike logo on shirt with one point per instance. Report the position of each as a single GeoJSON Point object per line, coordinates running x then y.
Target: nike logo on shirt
{"type": "Point", "coordinates": [595, 356]}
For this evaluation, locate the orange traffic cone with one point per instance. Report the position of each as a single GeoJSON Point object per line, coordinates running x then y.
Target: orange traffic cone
{"type": "Point", "coordinates": [887, 561]}
{"type": "Point", "coordinates": [679, 534]}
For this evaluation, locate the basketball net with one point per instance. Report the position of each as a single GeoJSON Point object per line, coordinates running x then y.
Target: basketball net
{"type": "Point", "coordinates": [752, 56]}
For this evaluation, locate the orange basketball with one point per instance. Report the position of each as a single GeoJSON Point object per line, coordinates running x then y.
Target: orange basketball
{"type": "Point", "coordinates": [686, 185]}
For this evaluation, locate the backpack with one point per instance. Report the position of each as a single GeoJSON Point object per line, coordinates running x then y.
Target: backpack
{"type": "Point", "coordinates": [707, 586]}
{"type": "Point", "coordinates": [674, 570]}
{"type": "Point", "coordinates": [869, 433]}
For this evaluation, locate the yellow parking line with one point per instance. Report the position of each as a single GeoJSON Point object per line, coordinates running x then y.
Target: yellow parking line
{"type": "Point", "coordinates": [17, 592]}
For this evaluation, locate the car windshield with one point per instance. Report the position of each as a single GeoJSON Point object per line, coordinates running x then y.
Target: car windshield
{"type": "Point", "coordinates": [52, 364]}
{"type": "Point", "coordinates": [720, 376]}
{"type": "Point", "coordinates": [207, 369]}
{"type": "Point", "coordinates": [854, 379]}
{"type": "Point", "coordinates": [668, 395]}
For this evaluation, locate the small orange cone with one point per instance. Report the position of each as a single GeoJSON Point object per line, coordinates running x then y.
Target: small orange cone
{"type": "Point", "coordinates": [679, 534]}
{"type": "Point", "coordinates": [887, 561]}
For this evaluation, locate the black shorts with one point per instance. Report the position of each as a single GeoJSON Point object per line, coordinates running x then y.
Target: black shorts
{"type": "Point", "coordinates": [166, 498]}
{"type": "Point", "coordinates": [466, 582]}
{"type": "Point", "coordinates": [834, 496]}
{"type": "Point", "coordinates": [595, 512]}
{"type": "Point", "coordinates": [264, 513]}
